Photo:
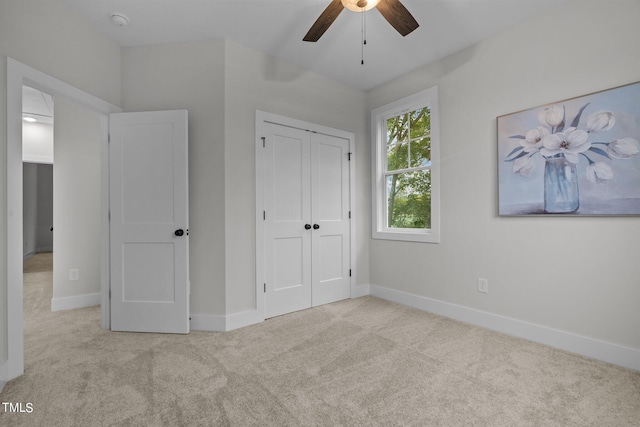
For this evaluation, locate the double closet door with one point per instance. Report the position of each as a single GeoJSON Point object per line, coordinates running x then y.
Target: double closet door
{"type": "Point", "coordinates": [306, 219]}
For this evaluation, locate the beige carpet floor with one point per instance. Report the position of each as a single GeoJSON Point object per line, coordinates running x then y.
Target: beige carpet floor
{"type": "Point", "coordinates": [362, 362]}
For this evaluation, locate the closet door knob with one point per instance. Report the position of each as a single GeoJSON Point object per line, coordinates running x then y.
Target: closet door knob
{"type": "Point", "coordinates": [179, 232]}
{"type": "Point", "coordinates": [307, 226]}
{"type": "Point", "coordinates": [316, 226]}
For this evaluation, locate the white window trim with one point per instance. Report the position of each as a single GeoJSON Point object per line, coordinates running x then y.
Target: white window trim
{"type": "Point", "coordinates": [428, 97]}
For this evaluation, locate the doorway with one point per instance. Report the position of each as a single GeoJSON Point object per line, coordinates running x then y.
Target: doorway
{"type": "Point", "coordinates": [37, 183]}
{"type": "Point", "coordinates": [18, 75]}
{"type": "Point", "coordinates": [65, 197]}
{"type": "Point", "coordinates": [37, 157]}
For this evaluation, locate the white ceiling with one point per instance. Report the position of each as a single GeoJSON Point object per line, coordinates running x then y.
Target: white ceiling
{"type": "Point", "coordinates": [37, 105]}
{"type": "Point", "coordinates": [278, 26]}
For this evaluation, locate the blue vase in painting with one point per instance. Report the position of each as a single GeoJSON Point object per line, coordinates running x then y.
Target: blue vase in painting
{"type": "Point", "coordinates": [561, 194]}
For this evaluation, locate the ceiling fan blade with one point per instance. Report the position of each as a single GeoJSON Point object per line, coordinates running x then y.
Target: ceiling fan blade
{"type": "Point", "coordinates": [324, 21]}
{"type": "Point", "coordinates": [398, 16]}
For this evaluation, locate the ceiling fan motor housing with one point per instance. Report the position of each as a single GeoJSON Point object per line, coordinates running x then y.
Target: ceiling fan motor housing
{"type": "Point", "coordinates": [359, 5]}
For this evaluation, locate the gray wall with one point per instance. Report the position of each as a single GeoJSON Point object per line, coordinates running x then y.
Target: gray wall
{"type": "Point", "coordinates": [579, 275]}
{"type": "Point", "coordinates": [29, 209]}
{"type": "Point", "coordinates": [44, 239]}
{"type": "Point", "coordinates": [37, 210]}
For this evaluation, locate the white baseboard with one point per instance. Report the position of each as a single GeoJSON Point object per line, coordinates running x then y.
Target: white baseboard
{"type": "Point", "coordinates": [608, 352]}
{"type": "Point", "coordinates": [208, 322]}
{"type": "Point", "coordinates": [244, 318]}
{"type": "Point", "coordinates": [77, 301]}
{"type": "Point", "coordinates": [358, 291]}
{"type": "Point", "coordinates": [217, 323]}
{"type": "Point", "coordinates": [2, 384]}
{"type": "Point", "coordinates": [28, 255]}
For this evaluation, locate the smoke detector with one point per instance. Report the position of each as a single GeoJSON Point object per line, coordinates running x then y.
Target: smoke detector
{"type": "Point", "coordinates": [119, 19]}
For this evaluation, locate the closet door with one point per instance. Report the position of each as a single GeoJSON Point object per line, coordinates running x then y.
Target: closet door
{"type": "Point", "coordinates": [330, 216]}
{"type": "Point", "coordinates": [287, 216]}
{"type": "Point", "coordinates": [306, 219]}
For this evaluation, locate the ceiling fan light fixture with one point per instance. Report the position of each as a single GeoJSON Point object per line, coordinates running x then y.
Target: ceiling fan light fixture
{"type": "Point", "coordinates": [392, 10]}
{"type": "Point", "coordinates": [360, 5]}
{"type": "Point", "coordinates": [119, 19]}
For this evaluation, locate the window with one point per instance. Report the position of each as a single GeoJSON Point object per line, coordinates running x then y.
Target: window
{"type": "Point", "coordinates": [406, 169]}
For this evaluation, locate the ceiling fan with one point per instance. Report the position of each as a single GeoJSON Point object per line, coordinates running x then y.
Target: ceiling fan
{"type": "Point", "coordinates": [392, 10]}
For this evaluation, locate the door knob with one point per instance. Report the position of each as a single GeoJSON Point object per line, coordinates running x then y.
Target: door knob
{"type": "Point", "coordinates": [307, 226]}
{"type": "Point", "coordinates": [316, 226]}
{"type": "Point", "coordinates": [179, 232]}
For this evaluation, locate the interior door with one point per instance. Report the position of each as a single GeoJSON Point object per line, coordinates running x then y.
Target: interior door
{"type": "Point", "coordinates": [306, 219]}
{"type": "Point", "coordinates": [149, 222]}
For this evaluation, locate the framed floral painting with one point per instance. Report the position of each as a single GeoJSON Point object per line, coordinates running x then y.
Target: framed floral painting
{"type": "Point", "coordinates": [578, 157]}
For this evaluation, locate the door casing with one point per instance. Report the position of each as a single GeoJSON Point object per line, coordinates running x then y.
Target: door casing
{"type": "Point", "coordinates": [263, 118]}
{"type": "Point", "coordinates": [19, 74]}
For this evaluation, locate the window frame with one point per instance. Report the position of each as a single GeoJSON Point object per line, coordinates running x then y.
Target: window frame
{"type": "Point", "coordinates": [379, 117]}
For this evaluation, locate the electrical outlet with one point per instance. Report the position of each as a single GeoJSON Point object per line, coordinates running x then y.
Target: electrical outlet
{"type": "Point", "coordinates": [74, 273]}
{"type": "Point", "coordinates": [483, 285]}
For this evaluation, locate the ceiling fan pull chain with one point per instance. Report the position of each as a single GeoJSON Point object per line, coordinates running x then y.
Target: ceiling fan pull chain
{"type": "Point", "coordinates": [364, 35]}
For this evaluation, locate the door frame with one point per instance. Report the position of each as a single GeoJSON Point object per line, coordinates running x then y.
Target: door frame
{"type": "Point", "coordinates": [19, 74]}
{"type": "Point", "coordinates": [263, 118]}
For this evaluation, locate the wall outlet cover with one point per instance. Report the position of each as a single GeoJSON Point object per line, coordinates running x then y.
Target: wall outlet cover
{"type": "Point", "coordinates": [483, 285]}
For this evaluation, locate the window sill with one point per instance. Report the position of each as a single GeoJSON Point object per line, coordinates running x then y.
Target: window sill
{"type": "Point", "coordinates": [408, 235]}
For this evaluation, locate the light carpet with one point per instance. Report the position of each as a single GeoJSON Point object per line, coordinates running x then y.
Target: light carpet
{"type": "Point", "coordinates": [361, 362]}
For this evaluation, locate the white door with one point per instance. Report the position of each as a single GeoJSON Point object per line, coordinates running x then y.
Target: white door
{"type": "Point", "coordinates": [149, 222]}
{"type": "Point", "coordinates": [306, 219]}
{"type": "Point", "coordinates": [287, 203]}
{"type": "Point", "coordinates": [330, 216]}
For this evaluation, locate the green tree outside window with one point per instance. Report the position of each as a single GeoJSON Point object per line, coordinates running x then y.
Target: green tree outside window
{"type": "Point", "coordinates": [408, 178]}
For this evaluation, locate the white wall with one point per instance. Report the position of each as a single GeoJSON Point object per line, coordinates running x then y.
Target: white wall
{"type": "Point", "coordinates": [256, 81]}
{"type": "Point", "coordinates": [37, 142]}
{"type": "Point", "coordinates": [76, 204]}
{"type": "Point", "coordinates": [30, 209]}
{"type": "Point", "coordinates": [573, 274]}
{"type": "Point", "coordinates": [579, 275]}
{"type": "Point", "coordinates": [222, 84]}
{"type": "Point", "coordinates": [190, 76]}
{"type": "Point", "coordinates": [47, 36]}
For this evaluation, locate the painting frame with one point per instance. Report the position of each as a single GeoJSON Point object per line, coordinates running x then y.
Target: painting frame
{"type": "Point", "coordinates": [575, 157]}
